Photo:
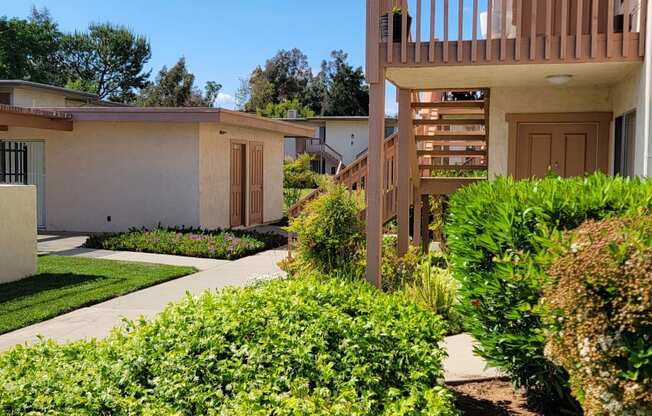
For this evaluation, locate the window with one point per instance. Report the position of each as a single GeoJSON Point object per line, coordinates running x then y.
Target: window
{"type": "Point", "coordinates": [5, 98]}
{"type": "Point", "coordinates": [333, 170]}
{"type": "Point", "coordinates": [624, 144]}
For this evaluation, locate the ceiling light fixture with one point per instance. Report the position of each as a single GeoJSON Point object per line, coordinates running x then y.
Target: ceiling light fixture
{"type": "Point", "coordinates": [561, 79]}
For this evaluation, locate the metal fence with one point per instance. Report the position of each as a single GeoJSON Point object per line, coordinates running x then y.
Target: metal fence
{"type": "Point", "coordinates": [13, 163]}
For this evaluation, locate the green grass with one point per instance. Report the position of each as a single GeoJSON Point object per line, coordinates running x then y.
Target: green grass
{"type": "Point", "coordinates": [67, 283]}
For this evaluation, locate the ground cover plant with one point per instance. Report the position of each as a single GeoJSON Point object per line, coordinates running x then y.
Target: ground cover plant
{"type": "Point", "coordinates": [67, 283]}
{"type": "Point", "coordinates": [498, 234]}
{"type": "Point", "coordinates": [307, 346]}
{"type": "Point", "coordinates": [213, 244]}
{"type": "Point", "coordinates": [599, 311]}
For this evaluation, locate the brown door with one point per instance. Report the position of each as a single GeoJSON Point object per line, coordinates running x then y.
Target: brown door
{"type": "Point", "coordinates": [256, 183]}
{"type": "Point", "coordinates": [568, 149]}
{"type": "Point", "coordinates": [238, 181]}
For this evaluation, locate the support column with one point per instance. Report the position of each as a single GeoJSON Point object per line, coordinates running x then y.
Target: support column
{"type": "Point", "coordinates": [405, 135]}
{"type": "Point", "coordinates": [416, 222]}
{"type": "Point", "coordinates": [425, 223]}
{"type": "Point", "coordinates": [374, 188]}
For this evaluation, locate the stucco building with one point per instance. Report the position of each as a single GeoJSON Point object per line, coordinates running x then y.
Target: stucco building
{"type": "Point", "coordinates": [103, 168]}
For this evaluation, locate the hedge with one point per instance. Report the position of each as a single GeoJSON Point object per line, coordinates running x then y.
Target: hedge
{"type": "Point", "coordinates": [308, 346]}
{"type": "Point", "coordinates": [498, 234]}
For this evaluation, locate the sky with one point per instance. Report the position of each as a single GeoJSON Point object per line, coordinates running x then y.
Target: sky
{"type": "Point", "coordinates": [222, 40]}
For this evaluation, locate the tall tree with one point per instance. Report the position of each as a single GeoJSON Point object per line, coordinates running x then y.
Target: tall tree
{"type": "Point", "coordinates": [347, 92]}
{"type": "Point", "coordinates": [108, 60]}
{"type": "Point", "coordinates": [175, 87]}
{"type": "Point", "coordinates": [30, 49]}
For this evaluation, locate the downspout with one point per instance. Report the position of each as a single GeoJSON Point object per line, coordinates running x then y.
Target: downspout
{"type": "Point", "coordinates": [647, 95]}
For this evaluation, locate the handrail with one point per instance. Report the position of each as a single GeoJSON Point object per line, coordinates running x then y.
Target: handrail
{"type": "Point", "coordinates": [506, 31]}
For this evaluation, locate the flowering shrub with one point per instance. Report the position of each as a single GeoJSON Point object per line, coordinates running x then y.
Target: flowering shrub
{"type": "Point", "coordinates": [498, 234]}
{"type": "Point", "coordinates": [309, 346]}
{"type": "Point", "coordinates": [217, 244]}
{"type": "Point", "coordinates": [600, 315]}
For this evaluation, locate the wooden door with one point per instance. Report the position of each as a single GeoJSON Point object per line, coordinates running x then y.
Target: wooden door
{"type": "Point", "coordinates": [238, 181]}
{"type": "Point", "coordinates": [256, 174]}
{"type": "Point", "coordinates": [567, 149]}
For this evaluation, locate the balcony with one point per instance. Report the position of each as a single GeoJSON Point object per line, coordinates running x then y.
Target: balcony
{"type": "Point", "coordinates": [426, 33]}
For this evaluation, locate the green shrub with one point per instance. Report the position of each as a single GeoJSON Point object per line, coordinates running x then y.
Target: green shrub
{"type": "Point", "coordinates": [297, 173]}
{"type": "Point", "coordinates": [497, 234]}
{"type": "Point", "coordinates": [600, 315]}
{"type": "Point", "coordinates": [291, 196]}
{"type": "Point", "coordinates": [397, 271]}
{"type": "Point", "coordinates": [307, 346]}
{"type": "Point", "coordinates": [329, 232]}
{"type": "Point", "coordinates": [435, 289]}
{"type": "Point", "coordinates": [214, 244]}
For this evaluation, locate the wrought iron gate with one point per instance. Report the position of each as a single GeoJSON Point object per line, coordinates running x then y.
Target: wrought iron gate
{"type": "Point", "coordinates": [13, 162]}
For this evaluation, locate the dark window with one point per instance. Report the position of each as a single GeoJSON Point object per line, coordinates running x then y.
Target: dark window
{"type": "Point", "coordinates": [333, 170]}
{"type": "Point", "coordinates": [322, 134]}
{"type": "Point", "coordinates": [624, 144]}
{"type": "Point", "coordinates": [5, 98]}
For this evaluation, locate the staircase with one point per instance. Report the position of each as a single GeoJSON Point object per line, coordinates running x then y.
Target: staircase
{"type": "Point", "coordinates": [450, 141]}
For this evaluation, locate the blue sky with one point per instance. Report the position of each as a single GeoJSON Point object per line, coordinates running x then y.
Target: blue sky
{"type": "Point", "coordinates": [222, 40]}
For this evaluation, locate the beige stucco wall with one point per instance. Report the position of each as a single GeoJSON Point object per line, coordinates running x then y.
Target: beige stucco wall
{"type": "Point", "coordinates": [30, 97]}
{"type": "Point", "coordinates": [17, 232]}
{"type": "Point", "coordinates": [214, 172]}
{"type": "Point", "coordinates": [140, 174]}
{"type": "Point", "coordinates": [547, 99]}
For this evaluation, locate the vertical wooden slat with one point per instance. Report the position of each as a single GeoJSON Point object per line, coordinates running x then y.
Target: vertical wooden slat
{"type": "Point", "coordinates": [642, 28]}
{"type": "Point", "coordinates": [433, 5]}
{"type": "Point", "coordinates": [626, 28]}
{"type": "Point", "coordinates": [594, 28]}
{"type": "Point", "coordinates": [446, 30]}
{"type": "Point", "coordinates": [373, 41]}
{"type": "Point", "coordinates": [404, 32]}
{"type": "Point", "coordinates": [390, 36]}
{"type": "Point", "coordinates": [546, 53]}
{"type": "Point", "coordinates": [519, 29]}
{"type": "Point", "coordinates": [474, 38]}
{"type": "Point", "coordinates": [405, 128]}
{"type": "Point", "coordinates": [417, 51]}
{"type": "Point", "coordinates": [489, 30]}
{"type": "Point", "coordinates": [503, 30]}
{"type": "Point", "coordinates": [533, 31]}
{"type": "Point", "coordinates": [578, 30]}
{"type": "Point", "coordinates": [610, 27]}
{"type": "Point", "coordinates": [563, 36]}
{"type": "Point", "coordinates": [460, 29]}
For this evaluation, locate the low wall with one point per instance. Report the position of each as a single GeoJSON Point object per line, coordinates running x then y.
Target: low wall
{"type": "Point", "coordinates": [17, 232]}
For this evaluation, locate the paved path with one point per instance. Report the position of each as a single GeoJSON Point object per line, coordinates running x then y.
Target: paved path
{"type": "Point", "coordinates": [97, 321]}
{"type": "Point", "coordinates": [462, 365]}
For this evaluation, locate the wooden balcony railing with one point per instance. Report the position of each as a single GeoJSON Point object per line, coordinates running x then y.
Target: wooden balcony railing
{"type": "Point", "coordinates": [465, 32]}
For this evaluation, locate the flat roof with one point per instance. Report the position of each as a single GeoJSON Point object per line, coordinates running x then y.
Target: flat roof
{"type": "Point", "coordinates": [331, 118]}
{"type": "Point", "coordinates": [183, 115]}
{"type": "Point", "coordinates": [67, 91]}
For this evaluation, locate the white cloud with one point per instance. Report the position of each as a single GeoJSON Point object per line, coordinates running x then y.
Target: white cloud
{"type": "Point", "coordinates": [225, 101]}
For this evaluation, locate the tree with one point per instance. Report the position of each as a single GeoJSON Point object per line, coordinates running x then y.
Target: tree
{"type": "Point", "coordinates": [175, 87]}
{"type": "Point", "coordinates": [30, 49]}
{"type": "Point", "coordinates": [280, 110]}
{"type": "Point", "coordinates": [347, 92]}
{"type": "Point", "coordinates": [108, 60]}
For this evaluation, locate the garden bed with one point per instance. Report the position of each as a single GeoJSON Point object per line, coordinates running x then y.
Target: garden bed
{"type": "Point", "coordinates": [491, 398]}
{"type": "Point", "coordinates": [67, 283]}
{"type": "Point", "coordinates": [213, 244]}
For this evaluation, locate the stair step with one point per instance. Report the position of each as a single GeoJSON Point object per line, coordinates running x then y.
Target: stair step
{"type": "Point", "coordinates": [450, 104]}
{"type": "Point", "coordinates": [453, 167]}
{"type": "Point", "coordinates": [452, 136]}
{"type": "Point", "coordinates": [450, 122]}
{"type": "Point", "coordinates": [452, 153]}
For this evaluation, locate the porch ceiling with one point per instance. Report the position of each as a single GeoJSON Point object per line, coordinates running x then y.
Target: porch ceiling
{"type": "Point", "coordinates": [484, 76]}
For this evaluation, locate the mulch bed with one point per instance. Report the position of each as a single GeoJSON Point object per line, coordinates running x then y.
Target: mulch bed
{"type": "Point", "coordinates": [491, 398]}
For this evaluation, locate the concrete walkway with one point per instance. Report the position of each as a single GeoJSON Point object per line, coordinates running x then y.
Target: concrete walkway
{"type": "Point", "coordinates": [462, 365]}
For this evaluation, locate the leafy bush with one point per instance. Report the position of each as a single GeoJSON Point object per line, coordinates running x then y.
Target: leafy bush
{"type": "Point", "coordinates": [291, 196]}
{"type": "Point", "coordinates": [309, 346]}
{"type": "Point", "coordinates": [600, 305]}
{"type": "Point", "coordinates": [330, 232]}
{"type": "Point", "coordinates": [497, 234]}
{"type": "Point", "coordinates": [297, 173]}
{"type": "Point", "coordinates": [397, 271]}
{"type": "Point", "coordinates": [435, 289]}
{"type": "Point", "coordinates": [215, 244]}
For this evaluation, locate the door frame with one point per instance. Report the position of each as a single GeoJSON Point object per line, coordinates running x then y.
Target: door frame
{"type": "Point", "coordinates": [601, 118]}
{"type": "Point", "coordinates": [245, 179]}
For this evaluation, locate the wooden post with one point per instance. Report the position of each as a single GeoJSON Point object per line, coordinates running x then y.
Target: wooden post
{"type": "Point", "coordinates": [405, 135]}
{"type": "Point", "coordinates": [425, 223]}
{"type": "Point", "coordinates": [416, 226]}
{"type": "Point", "coordinates": [374, 187]}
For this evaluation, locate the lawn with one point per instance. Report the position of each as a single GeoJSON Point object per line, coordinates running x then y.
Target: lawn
{"type": "Point", "coordinates": [67, 283]}
{"type": "Point", "coordinates": [212, 244]}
